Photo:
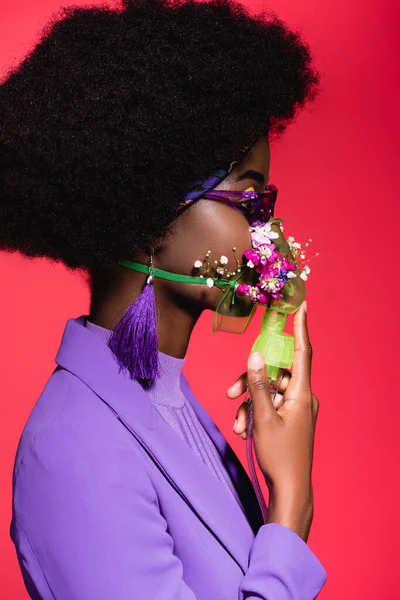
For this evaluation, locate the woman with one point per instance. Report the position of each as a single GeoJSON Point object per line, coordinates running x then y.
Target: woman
{"type": "Point", "coordinates": [114, 130]}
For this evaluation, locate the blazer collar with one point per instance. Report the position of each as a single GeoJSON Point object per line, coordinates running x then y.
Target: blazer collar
{"type": "Point", "coordinates": [91, 360]}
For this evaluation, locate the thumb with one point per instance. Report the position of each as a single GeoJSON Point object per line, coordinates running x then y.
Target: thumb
{"type": "Point", "coordinates": [258, 382]}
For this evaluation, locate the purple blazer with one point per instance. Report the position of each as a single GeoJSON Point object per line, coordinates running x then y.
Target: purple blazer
{"type": "Point", "coordinates": [110, 504]}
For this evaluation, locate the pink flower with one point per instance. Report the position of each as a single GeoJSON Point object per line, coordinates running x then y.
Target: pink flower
{"type": "Point", "coordinates": [265, 253]}
{"type": "Point", "coordinates": [252, 292]}
{"type": "Point", "coordinates": [274, 269]}
{"type": "Point", "coordinates": [253, 256]}
{"type": "Point", "coordinates": [242, 289]}
{"type": "Point", "coordinates": [263, 299]}
{"type": "Point", "coordinates": [275, 256]}
{"type": "Point", "coordinates": [286, 265]}
{"type": "Point", "coordinates": [269, 271]}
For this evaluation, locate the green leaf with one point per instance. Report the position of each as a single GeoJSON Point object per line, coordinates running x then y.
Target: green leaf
{"type": "Point", "coordinates": [290, 288]}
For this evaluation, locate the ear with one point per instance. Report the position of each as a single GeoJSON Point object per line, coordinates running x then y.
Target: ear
{"type": "Point", "coordinates": [235, 162]}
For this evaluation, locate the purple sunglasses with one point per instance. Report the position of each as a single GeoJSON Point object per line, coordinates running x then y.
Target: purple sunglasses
{"type": "Point", "coordinates": [256, 206]}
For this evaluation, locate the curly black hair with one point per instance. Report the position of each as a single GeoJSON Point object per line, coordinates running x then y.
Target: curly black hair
{"type": "Point", "coordinates": [115, 112]}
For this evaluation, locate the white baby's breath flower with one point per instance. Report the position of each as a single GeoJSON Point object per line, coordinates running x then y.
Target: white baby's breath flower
{"type": "Point", "coordinates": [250, 264]}
{"type": "Point", "coordinates": [210, 282]}
{"type": "Point", "coordinates": [306, 271]}
{"type": "Point", "coordinates": [296, 245]}
{"type": "Point", "coordinates": [197, 264]}
{"type": "Point", "coordinates": [223, 260]}
{"type": "Point", "coordinates": [290, 239]}
{"type": "Point", "coordinates": [291, 274]}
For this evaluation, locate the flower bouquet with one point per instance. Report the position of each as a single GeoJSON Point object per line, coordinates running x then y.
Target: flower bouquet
{"type": "Point", "coordinates": [282, 271]}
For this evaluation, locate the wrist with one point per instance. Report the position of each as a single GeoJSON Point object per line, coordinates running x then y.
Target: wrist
{"type": "Point", "coordinates": [292, 509]}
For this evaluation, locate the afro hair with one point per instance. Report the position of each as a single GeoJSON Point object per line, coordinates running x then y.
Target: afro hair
{"type": "Point", "coordinates": [115, 112]}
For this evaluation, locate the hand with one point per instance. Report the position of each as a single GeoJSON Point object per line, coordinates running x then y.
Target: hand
{"type": "Point", "coordinates": [284, 435]}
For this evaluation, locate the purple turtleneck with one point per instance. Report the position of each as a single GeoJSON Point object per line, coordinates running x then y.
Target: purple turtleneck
{"type": "Point", "coordinates": [171, 404]}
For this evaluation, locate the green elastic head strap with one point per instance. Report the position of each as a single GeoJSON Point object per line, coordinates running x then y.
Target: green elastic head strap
{"type": "Point", "coordinates": [135, 266]}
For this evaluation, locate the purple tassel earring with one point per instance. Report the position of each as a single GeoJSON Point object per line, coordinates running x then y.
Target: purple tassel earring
{"type": "Point", "coordinates": [134, 340]}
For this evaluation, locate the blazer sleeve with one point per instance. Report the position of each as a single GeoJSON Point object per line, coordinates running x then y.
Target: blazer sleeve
{"type": "Point", "coordinates": [281, 567]}
{"type": "Point", "coordinates": [89, 527]}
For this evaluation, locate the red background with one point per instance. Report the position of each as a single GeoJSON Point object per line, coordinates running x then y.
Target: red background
{"type": "Point", "coordinates": [338, 176]}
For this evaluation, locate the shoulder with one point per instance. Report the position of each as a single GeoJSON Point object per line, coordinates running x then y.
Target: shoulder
{"type": "Point", "coordinates": [71, 433]}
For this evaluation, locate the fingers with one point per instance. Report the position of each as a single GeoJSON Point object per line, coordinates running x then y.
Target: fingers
{"type": "Point", "coordinates": [281, 382]}
{"type": "Point", "coordinates": [242, 417]}
{"type": "Point", "coordinates": [240, 424]}
{"type": "Point", "coordinates": [278, 400]}
{"type": "Point", "coordinates": [257, 379]}
{"type": "Point", "coordinates": [301, 371]}
{"type": "Point", "coordinates": [238, 388]}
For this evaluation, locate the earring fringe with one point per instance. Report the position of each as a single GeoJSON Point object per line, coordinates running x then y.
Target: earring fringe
{"type": "Point", "coordinates": [134, 340]}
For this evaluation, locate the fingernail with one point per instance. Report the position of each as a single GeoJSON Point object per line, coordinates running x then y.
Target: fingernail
{"type": "Point", "coordinates": [256, 360]}
{"type": "Point", "coordinates": [235, 424]}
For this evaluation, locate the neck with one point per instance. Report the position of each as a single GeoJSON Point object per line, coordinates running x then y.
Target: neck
{"type": "Point", "coordinates": [114, 292]}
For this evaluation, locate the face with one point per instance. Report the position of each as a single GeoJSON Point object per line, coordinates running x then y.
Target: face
{"type": "Point", "coordinates": [207, 225]}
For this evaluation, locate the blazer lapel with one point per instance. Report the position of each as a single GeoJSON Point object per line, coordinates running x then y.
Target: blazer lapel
{"type": "Point", "coordinates": [92, 361]}
{"type": "Point", "coordinates": [241, 480]}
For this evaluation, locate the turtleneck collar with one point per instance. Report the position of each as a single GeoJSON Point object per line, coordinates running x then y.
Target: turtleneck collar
{"type": "Point", "coordinates": [166, 390]}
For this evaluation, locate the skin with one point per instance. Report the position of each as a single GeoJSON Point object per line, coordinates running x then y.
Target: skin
{"type": "Point", "coordinates": [283, 427]}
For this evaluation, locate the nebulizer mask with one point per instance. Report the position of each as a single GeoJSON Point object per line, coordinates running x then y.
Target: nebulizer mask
{"type": "Point", "coordinates": [270, 278]}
